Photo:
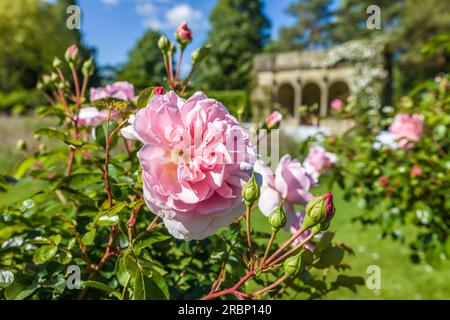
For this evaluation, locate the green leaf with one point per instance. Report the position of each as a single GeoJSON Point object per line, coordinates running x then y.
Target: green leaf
{"type": "Point", "coordinates": [149, 285]}
{"type": "Point", "coordinates": [144, 97]}
{"type": "Point", "coordinates": [102, 287]}
{"type": "Point", "coordinates": [55, 239]}
{"type": "Point", "coordinates": [20, 289]}
{"type": "Point", "coordinates": [120, 269]}
{"type": "Point", "coordinates": [44, 253]}
{"type": "Point", "coordinates": [22, 190]}
{"type": "Point", "coordinates": [111, 103]}
{"type": "Point", "coordinates": [107, 220]}
{"type": "Point", "coordinates": [88, 237]}
{"type": "Point", "coordinates": [101, 132]}
{"type": "Point", "coordinates": [53, 133]}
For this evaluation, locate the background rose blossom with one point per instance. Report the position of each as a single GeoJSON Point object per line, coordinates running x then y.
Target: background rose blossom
{"type": "Point", "coordinates": [92, 117]}
{"type": "Point", "coordinates": [191, 166]}
{"type": "Point", "coordinates": [119, 90]}
{"type": "Point", "coordinates": [274, 119]}
{"type": "Point", "coordinates": [290, 183]}
{"type": "Point", "coordinates": [406, 128]}
{"type": "Point", "coordinates": [317, 160]}
{"type": "Point", "coordinates": [336, 104]}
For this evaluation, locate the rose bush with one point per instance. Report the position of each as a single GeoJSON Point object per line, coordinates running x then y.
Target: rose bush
{"type": "Point", "coordinates": [82, 218]}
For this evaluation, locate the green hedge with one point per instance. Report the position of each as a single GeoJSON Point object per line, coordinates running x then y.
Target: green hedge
{"type": "Point", "coordinates": [20, 100]}
{"type": "Point", "coordinates": [234, 100]}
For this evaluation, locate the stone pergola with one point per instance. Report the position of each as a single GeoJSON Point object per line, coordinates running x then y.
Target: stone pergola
{"type": "Point", "coordinates": [296, 78]}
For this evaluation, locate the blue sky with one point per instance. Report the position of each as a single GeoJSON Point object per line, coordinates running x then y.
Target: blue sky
{"type": "Point", "coordinates": [114, 26]}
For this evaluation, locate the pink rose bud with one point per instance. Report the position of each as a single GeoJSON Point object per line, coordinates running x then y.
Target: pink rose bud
{"type": "Point", "coordinates": [384, 181]}
{"type": "Point", "coordinates": [336, 104]}
{"type": "Point", "coordinates": [158, 91]}
{"type": "Point", "coordinates": [71, 54]}
{"type": "Point", "coordinates": [416, 171]}
{"type": "Point", "coordinates": [273, 120]}
{"type": "Point", "coordinates": [183, 34]}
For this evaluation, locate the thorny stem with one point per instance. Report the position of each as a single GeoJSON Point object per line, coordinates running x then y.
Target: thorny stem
{"type": "Point", "coordinates": [269, 245]}
{"type": "Point", "coordinates": [235, 289]}
{"type": "Point", "coordinates": [180, 59]}
{"type": "Point", "coordinates": [249, 237]}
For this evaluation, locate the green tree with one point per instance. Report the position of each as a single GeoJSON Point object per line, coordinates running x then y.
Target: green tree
{"type": "Point", "coordinates": [239, 29]}
{"type": "Point", "coordinates": [145, 66]}
{"type": "Point", "coordinates": [32, 32]}
{"type": "Point", "coordinates": [312, 28]}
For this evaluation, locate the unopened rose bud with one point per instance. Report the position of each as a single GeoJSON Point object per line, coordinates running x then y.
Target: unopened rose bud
{"type": "Point", "coordinates": [277, 219]}
{"type": "Point", "coordinates": [46, 80]}
{"type": "Point", "coordinates": [40, 86]}
{"type": "Point", "coordinates": [200, 54]}
{"type": "Point", "coordinates": [183, 34]}
{"type": "Point", "coordinates": [293, 265]}
{"type": "Point", "coordinates": [53, 77]}
{"type": "Point", "coordinates": [273, 120]}
{"type": "Point", "coordinates": [250, 192]}
{"type": "Point", "coordinates": [56, 63]}
{"type": "Point", "coordinates": [88, 67]}
{"type": "Point", "coordinates": [319, 210]}
{"type": "Point", "coordinates": [164, 44]}
{"type": "Point", "coordinates": [159, 91]}
{"type": "Point", "coordinates": [71, 55]}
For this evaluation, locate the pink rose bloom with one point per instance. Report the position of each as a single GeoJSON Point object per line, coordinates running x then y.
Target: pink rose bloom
{"type": "Point", "coordinates": [336, 104]}
{"type": "Point", "coordinates": [273, 120]}
{"type": "Point", "coordinates": [406, 128]}
{"type": "Point", "coordinates": [290, 183]}
{"type": "Point", "coordinates": [298, 222]}
{"type": "Point", "coordinates": [183, 34]}
{"type": "Point", "coordinates": [119, 90]}
{"type": "Point", "coordinates": [92, 117]}
{"type": "Point", "coordinates": [193, 162]}
{"type": "Point", "coordinates": [317, 160]}
{"type": "Point", "coordinates": [416, 171]}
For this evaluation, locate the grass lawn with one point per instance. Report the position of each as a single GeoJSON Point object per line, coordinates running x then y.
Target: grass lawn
{"type": "Point", "coordinates": [400, 279]}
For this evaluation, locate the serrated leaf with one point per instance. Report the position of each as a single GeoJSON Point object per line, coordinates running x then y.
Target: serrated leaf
{"type": "Point", "coordinates": [144, 97]}
{"type": "Point", "coordinates": [44, 253]}
{"type": "Point", "coordinates": [88, 237]}
{"type": "Point", "coordinates": [102, 287]}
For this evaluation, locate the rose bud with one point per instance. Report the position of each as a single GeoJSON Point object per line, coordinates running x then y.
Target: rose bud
{"type": "Point", "coordinates": [293, 265]}
{"type": "Point", "coordinates": [71, 54]}
{"type": "Point", "coordinates": [250, 192]}
{"type": "Point", "coordinates": [158, 91]}
{"type": "Point", "coordinates": [319, 210]}
{"type": "Point", "coordinates": [164, 44]}
{"type": "Point", "coordinates": [56, 63]}
{"type": "Point", "coordinates": [88, 68]}
{"type": "Point", "coordinates": [183, 34]}
{"type": "Point", "coordinates": [273, 120]}
{"type": "Point", "coordinates": [277, 219]}
{"type": "Point", "coordinates": [200, 54]}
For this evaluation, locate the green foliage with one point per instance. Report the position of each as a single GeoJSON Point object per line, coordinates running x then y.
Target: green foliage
{"type": "Point", "coordinates": [405, 198]}
{"type": "Point", "coordinates": [20, 100]}
{"type": "Point", "coordinates": [144, 67]}
{"type": "Point", "coordinates": [239, 29]}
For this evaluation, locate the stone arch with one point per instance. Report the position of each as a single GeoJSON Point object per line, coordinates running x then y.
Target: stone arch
{"type": "Point", "coordinates": [286, 97]}
{"type": "Point", "coordinates": [338, 89]}
{"type": "Point", "coordinates": [311, 99]}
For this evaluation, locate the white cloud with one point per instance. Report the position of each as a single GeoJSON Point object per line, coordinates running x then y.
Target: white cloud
{"type": "Point", "coordinates": [159, 18]}
{"type": "Point", "coordinates": [110, 2]}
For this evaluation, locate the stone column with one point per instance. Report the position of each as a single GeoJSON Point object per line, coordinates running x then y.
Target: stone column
{"type": "Point", "coordinates": [324, 97]}
{"type": "Point", "coordinates": [297, 100]}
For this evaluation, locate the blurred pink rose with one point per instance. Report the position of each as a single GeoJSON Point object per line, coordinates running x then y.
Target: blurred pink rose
{"type": "Point", "coordinates": [298, 222]}
{"type": "Point", "coordinates": [183, 34]}
{"type": "Point", "coordinates": [384, 181]}
{"type": "Point", "coordinates": [193, 160]}
{"type": "Point", "coordinates": [317, 160]}
{"type": "Point", "coordinates": [336, 104]}
{"type": "Point", "coordinates": [290, 183]}
{"type": "Point", "coordinates": [406, 128]}
{"type": "Point", "coordinates": [416, 171]}
{"type": "Point", "coordinates": [92, 117]}
{"type": "Point", "coordinates": [273, 120]}
{"type": "Point", "coordinates": [119, 90]}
